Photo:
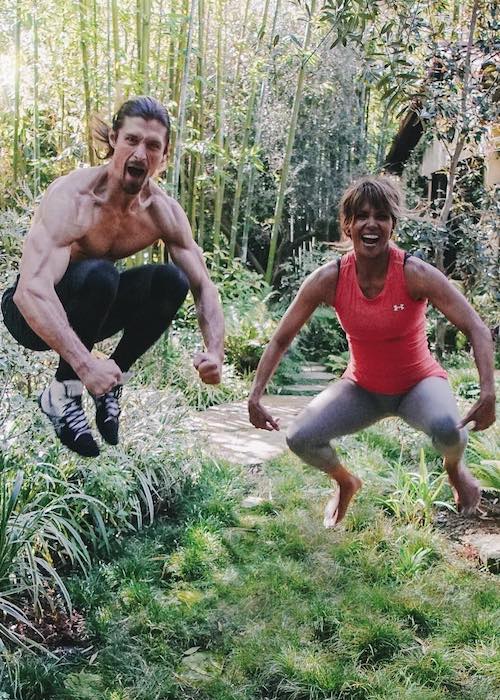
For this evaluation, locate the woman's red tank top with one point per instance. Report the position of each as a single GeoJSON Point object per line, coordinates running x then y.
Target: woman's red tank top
{"type": "Point", "coordinates": [387, 336]}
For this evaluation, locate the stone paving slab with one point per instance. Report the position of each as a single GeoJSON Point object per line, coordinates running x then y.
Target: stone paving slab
{"type": "Point", "coordinates": [310, 375]}
{"type": "Point", "coordinates": [307, 389]}
{"type": "Point", "coordinates": [230, 434]}
{"type": "Point", "coordinates": [488, 548]}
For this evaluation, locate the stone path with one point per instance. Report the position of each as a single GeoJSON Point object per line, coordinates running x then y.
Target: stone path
{"type": "Point", "coordinates": [231, 435]}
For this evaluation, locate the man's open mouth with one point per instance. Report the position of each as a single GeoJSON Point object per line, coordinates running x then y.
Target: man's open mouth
{"type": "Point", "coordinates": [135, 170]}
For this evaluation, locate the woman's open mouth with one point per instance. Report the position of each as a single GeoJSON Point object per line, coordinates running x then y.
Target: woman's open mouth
{"type": "Point", "coordinates": [370, 239]}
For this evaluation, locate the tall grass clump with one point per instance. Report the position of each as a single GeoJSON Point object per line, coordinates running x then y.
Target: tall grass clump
{"type": "Point", "coordinates": [41, 530]}
{"type": "Point", "coordinates": [484, 457]}
{"type": "Point", "coordinates": [415, 494]}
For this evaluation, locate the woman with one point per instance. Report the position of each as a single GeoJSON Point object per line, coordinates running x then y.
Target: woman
{"type": "Point", "coordinates": [380, 296]}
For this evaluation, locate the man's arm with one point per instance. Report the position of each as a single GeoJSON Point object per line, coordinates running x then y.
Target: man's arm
{"type": "Point", "coordinates": [189, 257]}
{"type": "Point", "coordinates": [424, 281]}
{"type": "Point", "coordinates": [318, 288]}
{"type": "Point", "coordinates": [46, 255]}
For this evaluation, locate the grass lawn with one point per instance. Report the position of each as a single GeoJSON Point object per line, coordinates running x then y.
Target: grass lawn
{"type": "Point", "coordinates": [224, 602]}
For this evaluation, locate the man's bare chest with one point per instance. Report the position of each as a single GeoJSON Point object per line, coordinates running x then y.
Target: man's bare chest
{"type": "Point", "coordinates": [111, 235]}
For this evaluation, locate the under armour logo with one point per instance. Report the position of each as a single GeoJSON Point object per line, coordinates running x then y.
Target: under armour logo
{"type": "Point", "coordinates": [398, 307]}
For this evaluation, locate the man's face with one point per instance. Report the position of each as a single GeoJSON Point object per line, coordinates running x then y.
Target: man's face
{"type": "Point", "coordinates": [139, 151]}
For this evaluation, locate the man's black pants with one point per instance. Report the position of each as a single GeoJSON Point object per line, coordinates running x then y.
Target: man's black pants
{"type": "Point", "coordinates": [100, 301]}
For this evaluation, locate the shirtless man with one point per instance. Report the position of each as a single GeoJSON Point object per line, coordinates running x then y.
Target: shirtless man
{"type": "Point", "coordinates": [69, 295]}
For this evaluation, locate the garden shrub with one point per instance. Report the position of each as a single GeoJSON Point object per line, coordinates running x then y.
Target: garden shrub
{"type": "Point", "coordinates": [322, 336]}
{"type": "Point", "coordinates": [169, 365]}
{"type": "Point", "coordinates": [247, 335]}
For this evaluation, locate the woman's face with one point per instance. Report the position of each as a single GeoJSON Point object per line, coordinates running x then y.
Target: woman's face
{"type": "Point", "coordinates": [370, 230]}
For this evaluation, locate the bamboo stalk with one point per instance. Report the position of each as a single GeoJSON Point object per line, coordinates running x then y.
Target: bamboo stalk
{"type": "Point", "coordinates": [181, 50]}
{"type": "Point", "coordinates": [197, 119]}
{"type": "Point", "coordinates": [258, 132]}
{"type": "Point", "coordinates": [181, 118]}
{"type": "Point", "coordinates": [63, 125]}
{"type": "Point", "coordinates": [241, 42]}
{"type": "Point", "coordinates": [171, 52]}
{"type": "Point", "coordinates": [108, 59]}
{"type": "Point", "coordinates": [36, 115]}
{"type": "Point", "coordinates": [158, 44]}
{"type": "Point", "coordinates": [138, 34]}
{"type": "Point", "coordinates": [178, 63]}
{"type": "Point", "coordinates": [116, 38]}
{"type": "Point", "coordinates": [201, 206]}
{"type": "Point", "coordinates": [146, 33]}
{"type": "Point", "coordinates": [280, 201]}
{"type": "Point", "coordinates": [245, 140]}
{"type": "Point", "coordinates": [17, 100]}
{"type": "Point", "coordinates": [95, 72]}
{"type": "Point", "coordinates": [82, 6]}
{"type": "Point", "coordinates": [219, 135]}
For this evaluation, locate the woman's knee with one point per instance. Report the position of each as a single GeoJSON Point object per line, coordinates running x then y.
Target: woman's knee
{"type": "Point", "coordinates": [169, 284]}
{"type": "Point", "coordinates": [300, 440]}
{"type": "Point", "coordinates": [447, 435]}
{"type": "Point", "coordinates": [305, 444]}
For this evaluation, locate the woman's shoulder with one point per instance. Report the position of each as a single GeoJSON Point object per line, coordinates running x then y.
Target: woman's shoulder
{"type": "Point", "coordinates": [420, 277]}
{"type": "Point", "coordinates": [324, 281]}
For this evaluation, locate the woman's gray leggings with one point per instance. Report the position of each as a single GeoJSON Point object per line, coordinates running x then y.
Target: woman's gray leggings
{"type": "Point", "coordinates": [344, 407]}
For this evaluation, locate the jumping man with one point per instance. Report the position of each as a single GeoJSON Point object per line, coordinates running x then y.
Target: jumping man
{"type": "Point", "coordinates": [69, 294]}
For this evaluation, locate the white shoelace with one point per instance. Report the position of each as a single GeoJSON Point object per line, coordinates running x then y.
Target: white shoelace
{"type": "Point", "coordinates": [111, 402]}
{"type": "Point", "coordinates": [75, 417]}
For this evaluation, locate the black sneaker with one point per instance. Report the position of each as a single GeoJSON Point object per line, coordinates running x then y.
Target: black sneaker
{"type": "Point", "coordinates": [62, 404]}
{"type": "Point", "coordinates": [108, 413]}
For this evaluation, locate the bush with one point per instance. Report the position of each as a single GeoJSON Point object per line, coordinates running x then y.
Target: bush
{"type": "Point", "coordinates": [296, 269]}
{"type": "Point", "coordinates": [247, 335]}
{"type": "Point", "coordinates": [39, 527]}
{"type": "Point", "coordinates": [169, 364]}
{"type": "Point", "coordinates": [322, 336]}
{"type": "Point", "coordinates": [239, 289]}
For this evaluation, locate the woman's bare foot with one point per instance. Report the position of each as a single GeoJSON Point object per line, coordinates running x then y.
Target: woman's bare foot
{"type": "Point", "coordinates": [466, 489]}
{"type": "Point", "coordinates": [337, 505]}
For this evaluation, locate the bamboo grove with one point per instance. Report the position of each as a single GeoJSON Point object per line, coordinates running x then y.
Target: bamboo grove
{"type": "Point", "coordinates": [269, 120]}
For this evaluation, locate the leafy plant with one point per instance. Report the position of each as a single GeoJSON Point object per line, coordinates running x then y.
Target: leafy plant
{"type": "Point", "coordinates": [181, 375]}
{"type": "Point", "coordinates": [484, 459]}
{"type": "Point", "coordinates": [336, 364]}
{"type": "Point", "coordinates": [34, 535]}
{"type": "Point", "coordinates": [322, 336]}
{"type": "Point", "coordinates": [415, 494]}
{"type": "Point", "coordinates": [247, 335]}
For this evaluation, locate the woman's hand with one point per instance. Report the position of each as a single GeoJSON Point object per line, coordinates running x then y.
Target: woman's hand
{"type": "Point", "coordinates": [260, 417]}
{"type": "Point", "coordinates": [482, 414]}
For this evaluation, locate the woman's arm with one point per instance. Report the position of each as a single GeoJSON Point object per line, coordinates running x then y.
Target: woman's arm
{"type": "Point", "coordinates": [318, 288]}
{"type": "Point", "coordinates": [424, 281]}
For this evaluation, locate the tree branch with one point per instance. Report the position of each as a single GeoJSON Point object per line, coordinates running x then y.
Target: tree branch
{"type": "Point", "coordinates": [445, 211]}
